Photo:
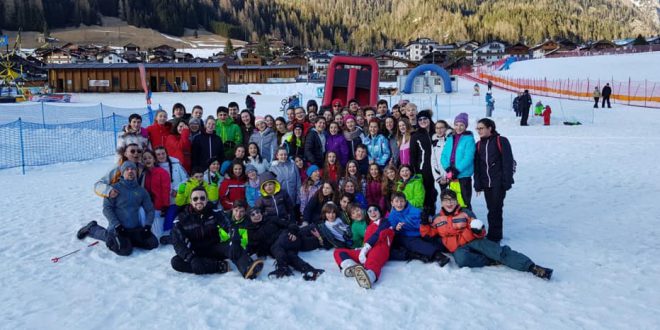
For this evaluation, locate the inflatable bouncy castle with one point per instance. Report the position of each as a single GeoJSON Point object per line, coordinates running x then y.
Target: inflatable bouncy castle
{"type": "Point", "coordinates": [352, 78]}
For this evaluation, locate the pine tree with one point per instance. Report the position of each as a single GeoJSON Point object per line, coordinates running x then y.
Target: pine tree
{"type": "Point", "coordinates": [229, 48]}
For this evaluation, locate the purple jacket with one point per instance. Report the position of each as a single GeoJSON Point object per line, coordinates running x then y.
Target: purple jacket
{"type": "Point", "coordinates": [337, 144]}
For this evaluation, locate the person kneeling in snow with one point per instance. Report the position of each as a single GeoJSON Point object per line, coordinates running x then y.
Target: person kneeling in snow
{"type": "Point", "coordinates": [203, 239]}
{"type": "Point", "coordinates": [463, 235]}
{"type": "Point", "coordinates": [372, 256]}
{"type": "Point", "coordinates": [125, 229]}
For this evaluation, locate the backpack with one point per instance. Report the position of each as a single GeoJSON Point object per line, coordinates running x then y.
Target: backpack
{"type": "Point", "coordinates": [499, 147]}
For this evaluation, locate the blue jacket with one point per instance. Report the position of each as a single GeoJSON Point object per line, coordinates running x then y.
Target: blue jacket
{"type": "Point", "coordinates": [465, 150]}
{"type": "Point", "coordinates": [378, 148]}
{"type": "Point", "coordinates": [125, 208]}
{"type": "Point", "coordinates": [410, 216]}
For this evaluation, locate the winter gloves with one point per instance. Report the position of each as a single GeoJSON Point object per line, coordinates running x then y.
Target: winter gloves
{"type": "Point", "coordinates": [363, 253]}
{"type": "Point", "coordinates": [452, 173]}
{"type": "Point", "coordinates": [477, 226]}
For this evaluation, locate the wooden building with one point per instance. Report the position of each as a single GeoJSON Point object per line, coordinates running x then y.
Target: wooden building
{"type": "Point", "coordinates": [161, 77]}
{"type": "Point", "coordinates": [519, 50]}
{"type": "Point", "coordinates": [245, 74]}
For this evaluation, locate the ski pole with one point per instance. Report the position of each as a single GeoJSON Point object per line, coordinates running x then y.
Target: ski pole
{"type": "Point", "coordinates": [56, 259]}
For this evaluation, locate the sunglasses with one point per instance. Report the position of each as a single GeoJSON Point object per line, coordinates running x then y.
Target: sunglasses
{"type": "Point", "coordinates": [200, 198]}
{"type": "Point", "coordinates": [135, 151]}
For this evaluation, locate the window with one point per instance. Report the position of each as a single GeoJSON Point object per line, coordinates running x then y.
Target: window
{"type": "Point", "coordinates": [193, 80]}
{"type": "Point", "coordinates": [115, 81]}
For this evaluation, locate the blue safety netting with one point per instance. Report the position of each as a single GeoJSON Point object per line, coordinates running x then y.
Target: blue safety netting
{"type": "Point", "coordinates": [28, 143]}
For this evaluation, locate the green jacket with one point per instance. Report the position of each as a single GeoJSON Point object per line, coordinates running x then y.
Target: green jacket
{"type": "Point", "coordinates": [185, 190]}
{"type": "Point", "coordinates": [358, 228]}
{"type": "Point", "coordinates": [414, 191]}
{"type": "Point", "coordinates": [230, 134]}
{"type": "Point", "coordinates": [242, 231]}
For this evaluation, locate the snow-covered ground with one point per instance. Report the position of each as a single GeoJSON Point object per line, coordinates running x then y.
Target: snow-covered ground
{"type": "Point", "coordinates": [584, 203]}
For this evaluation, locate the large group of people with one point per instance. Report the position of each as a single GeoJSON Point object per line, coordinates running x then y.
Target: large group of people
{"type": "Point", "coordinates": [373, 183]}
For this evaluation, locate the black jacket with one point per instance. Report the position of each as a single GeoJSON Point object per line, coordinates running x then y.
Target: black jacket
{"type": "Point", "coordinates": [493, 168]}
{"type": "Point", "coordinates": [524, 102]}
{"type": "Point", "coordinates": [314, 148]}
{"type": "Point", "coordinates": [262, 235]}
{"type": "Point", "coordinates": [204, 147]}
{"type": "Point", "coordinates": [421, 146]}
{"type": "Point", "coordinates": [607, 91]}
{"type": "Point", "coordinates": [194, 231]}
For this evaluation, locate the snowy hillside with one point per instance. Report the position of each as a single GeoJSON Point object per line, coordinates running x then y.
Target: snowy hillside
{"type": "Point", "coordinates": [607, 67]}
{"type": "Point", "coordinates": [584, 203]}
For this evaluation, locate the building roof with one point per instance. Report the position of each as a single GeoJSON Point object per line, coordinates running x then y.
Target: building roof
{"type": "Point", "coordinates": [135, 65]}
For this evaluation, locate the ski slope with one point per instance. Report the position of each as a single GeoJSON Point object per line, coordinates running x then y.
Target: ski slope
{"type": "Point", "coordinates": [584, 203]}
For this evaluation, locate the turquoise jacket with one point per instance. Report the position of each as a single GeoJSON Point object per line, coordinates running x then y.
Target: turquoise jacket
{"type": "Point", "coordinates": [464, 161]}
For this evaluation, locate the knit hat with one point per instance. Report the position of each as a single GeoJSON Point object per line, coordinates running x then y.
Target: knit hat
{"type": "Point", "coordinates": [311, 170]}
{"type": "Point", "coordinates": [349, 116]}
{"type": "Point", "coordinates": [126, 165]}
{"type": "Point", "coordinates": [259, 119]}
{"type": "Point", "coordinates": [224, 167]}
{"type": "Point", "coordinates": [424, 114]}
{"type": "Point", "coordinates": [461, 118]}
{"type": "Point", "coordinates": [195, 121]}
{"type": "Point", "coordinates": [249, 168]}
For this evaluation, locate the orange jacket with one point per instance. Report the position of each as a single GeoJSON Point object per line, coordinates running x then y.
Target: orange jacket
{"type": "Point", "coordinates": [454, 229]}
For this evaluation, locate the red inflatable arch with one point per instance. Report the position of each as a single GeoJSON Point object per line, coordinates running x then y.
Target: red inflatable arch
{"type": "Point", "coordinates": [352, 78]}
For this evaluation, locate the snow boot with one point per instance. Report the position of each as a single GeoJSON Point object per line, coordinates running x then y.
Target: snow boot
{"type": "Point", "coordinates": [348, 267]}
{"type": "Point", "coordinates": [538, 271]}
{"type": "Point", "coordinates": [254, 269]}
{"type": "Point", "coordinates": [364, 277]}
{"type": "Point", "coordinates": [441, 259]}
{"type": "Point", "coordinates": [223, 266]}
{"type": "Point", "coordinates": [281, 270]}
{"type": "Point", "coordinates": [311, 274]}
{"type": "Point", "coordinates": [84, 231]}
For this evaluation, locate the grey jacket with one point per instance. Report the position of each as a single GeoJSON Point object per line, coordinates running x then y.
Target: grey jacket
{"type": "Point", "coordinates": [125, 208]}
{"type": "Point", "coordinates": [267, 142]}
{"type": "Point", "coordinates": [288, 176]}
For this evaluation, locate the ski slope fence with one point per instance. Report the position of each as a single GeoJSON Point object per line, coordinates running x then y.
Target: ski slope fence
{"type": "Point", "coordinates": [635, 93]}
{"type": "Point", "coordinates": [53, 139]}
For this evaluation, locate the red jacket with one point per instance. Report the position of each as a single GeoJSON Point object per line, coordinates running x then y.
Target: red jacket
{"type": "Point", "coordinates": [178, 146]}
{"type": "Point", "coordinates": [231, 190]}
{"type": "Point", "coordinates": [158, 134]}
{"type": "Point", "coordinates": [157, 183]}
{"type": "Point", "coordinates": [332, 175]}
{"type": "Point", "coordinates": [306, 126]}
{"type": "Point", "coordinates": [454, 229]}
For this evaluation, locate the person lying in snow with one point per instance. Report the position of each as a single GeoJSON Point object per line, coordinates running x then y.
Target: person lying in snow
{"type": "Point", "coordinates": [463, 235]}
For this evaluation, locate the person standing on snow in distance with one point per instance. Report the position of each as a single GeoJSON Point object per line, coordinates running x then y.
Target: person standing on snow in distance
{"type": "Point", "coordinates": [315, 143]}
{"type": "Point", "coordinates": [462, 234]}
{"type": "Point", "coordinates": [607, 91]}
{"type": "Point", "coordinates": [458, 158]}
{"type": "Point", "coordinates": [493, 173]}
{"type": "Point", "coordinates": [524, 102]}
{"type": "Point", "coordinates": [207, 146]}
{"type": "Point", "coordinates": [490, 85]}
{"type": "Point", "coordinates": [421, 150]}
{"type": "Point", "coordinates": [596, 96]}
{"type": "Point", "coordinates": [490, 104]}
{"type": "Point", "coordinates": [125, 229]}
{"type": "Point", "coordinates": [203, 239]}
{"type": "Point", "coordinates": [372, 256]}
